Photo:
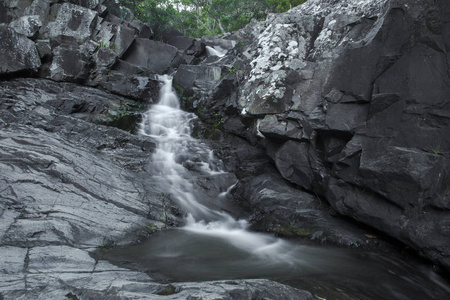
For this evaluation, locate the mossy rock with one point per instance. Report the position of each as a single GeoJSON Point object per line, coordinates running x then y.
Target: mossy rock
{"type": "Point", "coordinates": [126, 115]}
{"type": "Point", "coordinates": [168, 290]}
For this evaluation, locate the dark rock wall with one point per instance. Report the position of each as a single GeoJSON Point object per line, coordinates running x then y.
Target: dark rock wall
{"type": "Point", "coordinates": [350, 101]}
{"type": "Point", "coordinates": [352, 104]}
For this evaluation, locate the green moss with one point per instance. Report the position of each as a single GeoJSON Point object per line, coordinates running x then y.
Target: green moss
{"type": "Point", "coordinates": [291, 231]}
{"type": "Point", "coordinates": [168, 290]}
{"type": "Point", "coordinates": [154, 227]}
{"type": "Point", "coordinates": [125, 114]}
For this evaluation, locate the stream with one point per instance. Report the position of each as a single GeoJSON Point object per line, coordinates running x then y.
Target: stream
{"type": "Point", "coordinates": [213, 245]}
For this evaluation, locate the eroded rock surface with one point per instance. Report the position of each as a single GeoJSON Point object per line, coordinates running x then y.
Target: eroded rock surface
{"type": "Point", "coordinates": [74, 179]}
{"type": "Point", "coordinates": [345, 104]}
{"type": "Point", "coordinates": [349, 99]}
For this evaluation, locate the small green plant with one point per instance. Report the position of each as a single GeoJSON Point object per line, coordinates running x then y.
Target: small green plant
{"type": "Point", "coordinates": [106, 244]}
{"type": "Point", "coordinates": [107, 46]}
{"type": "Point", "coordinates": [126, 108]}
{"type": "Point", "coordinates": [218, 121]}
{"type": "Point", "coordinates": [233, 69]}
{"type": "Point", "coordinates": [200, 111]}
{"type": "Point", "coordinates": [436, 149]}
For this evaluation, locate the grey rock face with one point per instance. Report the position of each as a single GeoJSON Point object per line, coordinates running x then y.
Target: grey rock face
{"type": "Point", "coordinates": [64, 191]}
{"type": "Point", "coordinates": [46, 212]}
{"type": "Point", "coordinates": [18, 52]}
{"type": "Point", "coordinates": [155, 56]}
{"type": "Point", "coordinates": [350, 100]}
{"type": "Point", "coordinates": [200, 78]}
{"type": "Point", "coordinates": [278, 207]}
{"type": "Point", "coordinates": [71, 61]}
{"type": "Point", "coordinates": [116, 37]}
{"type": "Point", "coordinates": [12, 9]}
{"type": "Point", "coordinates": [27, 25]}
{"type": "Point", "coordinates": [70, 20]}
{"type": "Point", "coordinates": [137, 87]}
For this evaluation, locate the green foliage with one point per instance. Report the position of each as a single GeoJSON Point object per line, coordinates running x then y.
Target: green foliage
{"type": "Point", "coordinates": [126, 108]}
{"type": "Point", "coordinates": [106, 244]}
{"type": "Point", "coordinates": [217, 121]}
{"type": "Point", "coordinates": [436, 149]}
{"type": "Point", "coordinates": [233, 69]}
{"type": "Point", "coordinates": [197, 18]}
{"type": "Point", "coordinates": [108, 46]}
{"type": "Point", "coordinates": [124, 114]}
{"type": "Point", "coordinates": [158, 14]}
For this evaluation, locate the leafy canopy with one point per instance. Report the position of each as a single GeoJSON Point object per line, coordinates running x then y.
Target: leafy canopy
{"type": "Point", "coordinates": [204, 17]}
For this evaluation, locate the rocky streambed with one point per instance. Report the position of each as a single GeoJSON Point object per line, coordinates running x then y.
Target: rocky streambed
{"type": "Point", "coordinates": [331, 118]}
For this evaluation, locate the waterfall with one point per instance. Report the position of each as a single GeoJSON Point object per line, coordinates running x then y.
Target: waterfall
{"type": "Point", "coordinates": [219, 52]}
{"type": "Point", "coordinates": [176, 149]}
{"type": "Point", "coordinates": [212, 245]}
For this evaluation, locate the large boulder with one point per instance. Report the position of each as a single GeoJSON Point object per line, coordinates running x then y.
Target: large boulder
{"type": "Point", "coordinates": [278, 207]}
{"type": "Point", "coordinates": [27, 25]}
{"type": "Point", "coordinates": [71, 61]}
{"type": "Point", "coordinates": [116, 37]}
{"type": "Point", "coordinates": [18, 52]}
{"type": "Point", "coordinates": [155, 56]}
{"type": "Point", "coordinates": [11, 10]}
{"type": "Point", "coordinates": [68, 19]}
{"type": "Point", "coordinates": [189, 78]}
{"type": "Point", "coordinates": [145, 88]}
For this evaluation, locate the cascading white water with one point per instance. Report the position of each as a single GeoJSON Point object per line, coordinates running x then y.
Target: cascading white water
{"type": "Point", "coordinates": [212, 51]}
{"type": "Point", "coordinates": [171, 128]}
{"type": "Point", "coordinates": [214, 246]}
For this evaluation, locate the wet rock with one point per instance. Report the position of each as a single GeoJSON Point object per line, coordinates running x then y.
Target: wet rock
{"type": "Point", "coordinates": [18, 52]}
{"type": "Point", "coordinates": [293, 161]}
{"type": "Point", "coordinates": [218, 41]}
{"type": "Point", "coordinates": [285, 210]}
